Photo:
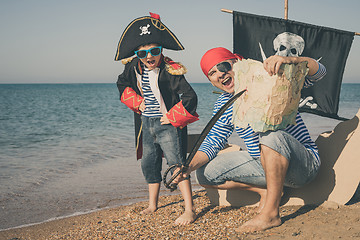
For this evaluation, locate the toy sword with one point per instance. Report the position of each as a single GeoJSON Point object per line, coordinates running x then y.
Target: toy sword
{"type": "Point", "coordinates": [204, 133]}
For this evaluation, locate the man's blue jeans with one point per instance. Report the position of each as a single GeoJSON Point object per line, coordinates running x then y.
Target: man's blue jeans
{"type": "Point", "coordinates": [239, 166]}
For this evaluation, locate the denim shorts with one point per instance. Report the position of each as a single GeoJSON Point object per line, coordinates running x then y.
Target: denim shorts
{"type": "Point", "coordinates": [157, 140]}
{"type": "Point", "coordinates": [239, 166]}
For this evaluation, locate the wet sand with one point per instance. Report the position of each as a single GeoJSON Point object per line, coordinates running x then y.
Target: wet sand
{"type": "Point", "coordinates": [213, 222]}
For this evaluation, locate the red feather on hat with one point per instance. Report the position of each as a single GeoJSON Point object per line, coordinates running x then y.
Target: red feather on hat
{"type": "Point", "coordinates": [154, 15]}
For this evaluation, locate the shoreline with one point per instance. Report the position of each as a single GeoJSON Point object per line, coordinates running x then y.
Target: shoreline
{"type": "Point", "coordinates": [213, 222]}
{"type": "Point", "coordinates": [105, 206]}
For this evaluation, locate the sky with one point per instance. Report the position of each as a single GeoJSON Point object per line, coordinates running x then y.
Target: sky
{"type": "Point", "coordinates": [74, 41]}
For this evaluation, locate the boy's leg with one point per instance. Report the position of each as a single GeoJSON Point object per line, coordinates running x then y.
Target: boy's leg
{"type": "Point", "coordinates": [151, 163]}
{"type": "Point", "coordinates": [189, 215]}
{"type": "Point", "coordinates": [154, 189]}
{"type": "Point", "coordinates": [170, 142]}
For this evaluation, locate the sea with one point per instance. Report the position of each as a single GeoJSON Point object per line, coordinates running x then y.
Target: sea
{"type": "Point", "coordinates": [69, 149]}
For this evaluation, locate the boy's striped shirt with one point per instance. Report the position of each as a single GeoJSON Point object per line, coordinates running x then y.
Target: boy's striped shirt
{"type": "Point", "coordinates": [152, 108]}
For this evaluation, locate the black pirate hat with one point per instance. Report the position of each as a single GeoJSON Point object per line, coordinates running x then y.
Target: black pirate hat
{"type": "Point", "coordinates": [145, 30]}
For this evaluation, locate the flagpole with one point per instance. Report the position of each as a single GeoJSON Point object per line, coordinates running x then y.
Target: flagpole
{"type": "Point", "coordinates": [286, 10]}
{"type": "Point", "coordinates": [226, 10]}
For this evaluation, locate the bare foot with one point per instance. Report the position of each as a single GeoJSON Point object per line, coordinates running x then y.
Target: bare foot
{"type": "Point", "coordinates": [186, 218]}
{"type": "Point", "coordinates": [259, 223]}
{"type": "Point", "coordinates": [148, 210]}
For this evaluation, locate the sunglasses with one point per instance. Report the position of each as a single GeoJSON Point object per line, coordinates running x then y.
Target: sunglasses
{"type": "Point", "coordinates": [155, 51]}
{"type": "Point", "coordinates": [224, 67]}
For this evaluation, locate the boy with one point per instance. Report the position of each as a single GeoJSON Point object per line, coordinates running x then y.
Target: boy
{"type": "Point", "coordinates": [151, 86]}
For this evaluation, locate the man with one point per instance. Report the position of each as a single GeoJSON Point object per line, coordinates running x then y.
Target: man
{"type": "Point", "coordinates": [274, 159]}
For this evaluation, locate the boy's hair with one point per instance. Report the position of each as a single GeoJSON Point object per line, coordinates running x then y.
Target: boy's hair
{"type": "Point", "coordinates": [143, 45]}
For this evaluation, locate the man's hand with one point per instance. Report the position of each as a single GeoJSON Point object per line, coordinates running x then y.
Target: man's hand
{"type": "Point", "coordinates": [199, 160]}
{"type": "Point", "coordinates": [272, 64]}
{"type": "Point", "coordinates": [180, 177]}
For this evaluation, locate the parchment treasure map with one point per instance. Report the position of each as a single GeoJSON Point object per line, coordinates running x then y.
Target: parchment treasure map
{"type": "Point", "coordinates": [270, 102]}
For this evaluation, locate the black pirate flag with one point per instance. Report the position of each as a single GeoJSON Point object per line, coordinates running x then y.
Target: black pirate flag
{"type": "Point", "coordinates": [258, 37]}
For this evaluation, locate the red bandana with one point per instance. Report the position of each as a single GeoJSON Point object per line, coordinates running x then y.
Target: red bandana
{"type": "Point", "coordinates": [215, 56]}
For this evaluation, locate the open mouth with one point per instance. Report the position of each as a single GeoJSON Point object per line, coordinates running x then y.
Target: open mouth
{"type": "Point", "coordinates": [227, 81]}
{"type": "Point", "coordinates": [151, 63]}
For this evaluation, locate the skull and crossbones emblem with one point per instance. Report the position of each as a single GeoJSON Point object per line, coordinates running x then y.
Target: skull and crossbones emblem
{"type": "Point", "coordinates": [144, 30]}
{"type": "Point", "coordinates": [288, 44]}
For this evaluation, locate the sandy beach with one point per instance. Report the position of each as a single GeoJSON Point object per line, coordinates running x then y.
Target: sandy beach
{"type": "Point", "coordinates": [328, 221]}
